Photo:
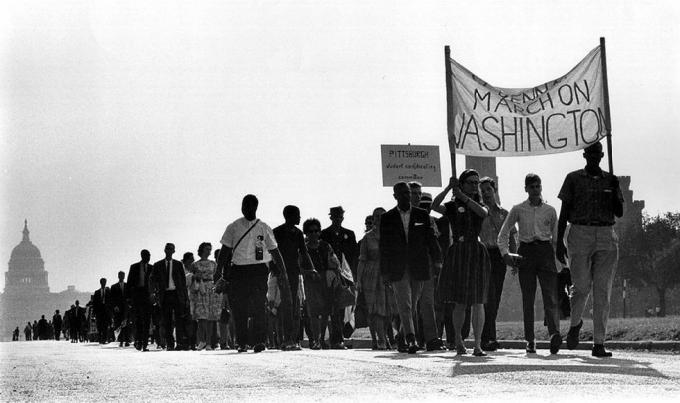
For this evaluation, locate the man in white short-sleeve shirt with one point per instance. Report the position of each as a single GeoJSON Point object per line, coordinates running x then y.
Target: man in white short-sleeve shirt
{"type": "Point", "coordinates": [250, 246]}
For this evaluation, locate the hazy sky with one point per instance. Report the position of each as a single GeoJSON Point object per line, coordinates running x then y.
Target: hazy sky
{"type": "Point", "coordinates": [128, 124]}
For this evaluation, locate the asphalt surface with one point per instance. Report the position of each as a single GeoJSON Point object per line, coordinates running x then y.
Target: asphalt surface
{"type": "Point", "coordinates": [61, 371]}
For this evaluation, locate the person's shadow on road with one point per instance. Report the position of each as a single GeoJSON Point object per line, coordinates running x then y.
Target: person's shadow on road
{"type": "Point", "coordinates": [577, 363]}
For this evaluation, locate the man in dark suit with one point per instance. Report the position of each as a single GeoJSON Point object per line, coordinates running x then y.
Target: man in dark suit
{"type": "Point", "coordinates": [343, 240]}
{"type": "Point", "coordinates": [407, 243]}
{"type": "Point", "coordinates": [57, 323]}
{"type": "Point", "coordinates": [70, 316]}
{"type": "Point", "coordinates": [42, 328]}
{"type": "Point", "coordinates": [119, 302]}
{"type": "Point", "coordinates": [138, 284]}
{"type": "Point", "coordinates": [81, 322]}
{"type": "Point", "coordinates": [102, 311]}
{"type": "Point", "coordinates": [169, 283]}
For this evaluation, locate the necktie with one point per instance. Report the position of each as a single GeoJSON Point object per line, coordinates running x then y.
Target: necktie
{"type": "Point", "coordinates": [169, 271]}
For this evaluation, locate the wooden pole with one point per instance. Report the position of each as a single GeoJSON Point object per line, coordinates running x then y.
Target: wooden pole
{"type": "Point", "coordinates": [605, 87]}
{"type": "Point", "coordinates": [449, 109]}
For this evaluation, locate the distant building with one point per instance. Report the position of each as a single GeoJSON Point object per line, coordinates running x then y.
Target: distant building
{"type": "Point", "coordinates": [632, 209]}
{"type": "Point", "coordinates": [27, 293]}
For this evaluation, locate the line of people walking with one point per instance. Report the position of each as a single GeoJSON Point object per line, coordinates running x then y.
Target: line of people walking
{"type": "Point", "coordinates": [410, 273]}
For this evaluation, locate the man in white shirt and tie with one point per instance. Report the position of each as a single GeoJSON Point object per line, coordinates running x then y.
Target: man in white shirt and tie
{"type": "Point", "coordinates": [537, 235]}
{"type": "Point", "coordinates": [169, 282]}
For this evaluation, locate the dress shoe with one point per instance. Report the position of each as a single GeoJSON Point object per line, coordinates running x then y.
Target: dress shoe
{"type": "Point", "coordinates": [200, 346]}
{"type": "Point", "coordinates": [242, 348]}
{"type": "Point", "coordinates": [127, 344]}
{"type": "Point", "coordinates": [479, 353]}
{"type": "Point", "coordinates": [120, 344]}
{"type": "Point", "coordinates": [573, 336]}
{"type": "Point", "coordinates": [138, 346]}
{"type": "Point", "coordinates": [259, 347]}
{"type": "Point", "coordinates": [531, 347]}
{"type": "Point", "coordinates": [435, 345]}
{"type": "Point", "coordinates": [401, 343]}
{"type": "Point", "coordinates": [412, 347]}
{"type": "Point", "coordinates": [145, 348]}
{"type": "Point", "coordinates": [295, 347]}
{"type": "Point", "coordinates": [600, 352]}
{"type": "Point", "coordinates": [324, 345]}
{"type": "Point", "coordinates": [338, 346]}
{"type": "Point", "coordinates": [314, 345]}
{"type": "Point", "coordinates": [555, 343]}
{"type": "Point", "coordinates": [374, 345]}
{"type": "Point", "coordinates": [461, 350]}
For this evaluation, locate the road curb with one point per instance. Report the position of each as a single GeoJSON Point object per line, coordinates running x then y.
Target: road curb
{"type": "Point", "coordinates": [583, 345]}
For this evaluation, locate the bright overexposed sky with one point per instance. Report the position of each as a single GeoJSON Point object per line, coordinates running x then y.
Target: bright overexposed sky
{"type": "Point", "coordinates": [128, 124]}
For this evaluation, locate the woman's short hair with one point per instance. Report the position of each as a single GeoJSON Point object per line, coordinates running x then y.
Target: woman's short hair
{"type": "Point", "coordinates": [309, 223]}
{"type": "Point", "coordinates": [488, 180]}
{"type": "Point", "coordinates": [202, 247]}
{"type": "Point", "coordinates": [466, 174]}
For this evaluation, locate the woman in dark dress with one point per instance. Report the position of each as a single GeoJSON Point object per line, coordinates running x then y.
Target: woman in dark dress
{"type": "Point", "coordinates": [319, 286]}
{"type": "Point", "coordinates": [464, 278]}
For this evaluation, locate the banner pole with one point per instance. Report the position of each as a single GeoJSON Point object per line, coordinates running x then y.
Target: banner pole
{"type": "Point", "coordinates": [449, 109]}
{"type": "Point", "coordinates": [605, 87]}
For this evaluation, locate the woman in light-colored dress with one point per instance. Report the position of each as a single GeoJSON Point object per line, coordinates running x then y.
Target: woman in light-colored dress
{"type": "Point", "coordinates": [207, 304]}
{"type": "Point", "coordinates": [370, 282]}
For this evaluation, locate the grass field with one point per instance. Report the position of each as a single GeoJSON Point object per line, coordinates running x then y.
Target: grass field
{"type": "Point", "coordinates": [629, 329]}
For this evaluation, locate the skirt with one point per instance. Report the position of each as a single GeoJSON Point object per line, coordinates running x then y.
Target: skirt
{"type": "Point", "coordinates": [374, 291]}
{"type": "Point", "coordinates": [464, 278]}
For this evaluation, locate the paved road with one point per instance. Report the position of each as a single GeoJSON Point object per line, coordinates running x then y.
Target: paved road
{"type": "Point", "coordinates": [61, 371]}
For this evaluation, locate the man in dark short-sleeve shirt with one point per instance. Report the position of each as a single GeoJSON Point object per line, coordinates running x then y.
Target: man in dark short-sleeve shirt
{"type": "Point", "coordinates": [591, 199]}
{"type": "Point", "coordinates": [292, 246]}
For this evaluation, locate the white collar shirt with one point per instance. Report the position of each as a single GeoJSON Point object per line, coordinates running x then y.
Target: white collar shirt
{"type": "Point", "coordinates": [171, 281]}
{"type": "Point", "coordinates": [405, 219]}
{"type": "Point", "coordinates": [536, 223]}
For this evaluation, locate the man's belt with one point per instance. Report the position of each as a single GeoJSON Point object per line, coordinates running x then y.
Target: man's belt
{"type": "Point", "coordinates": [535, 242]}
{"type": "Point", "coordinates": [593, 223]}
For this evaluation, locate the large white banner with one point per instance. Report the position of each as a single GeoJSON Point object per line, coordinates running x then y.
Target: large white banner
{"type": "Point", "coordinates": [565, 114]}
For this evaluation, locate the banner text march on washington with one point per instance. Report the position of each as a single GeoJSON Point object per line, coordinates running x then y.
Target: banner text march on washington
{"type": "Point", "coordinates": [565, 114]}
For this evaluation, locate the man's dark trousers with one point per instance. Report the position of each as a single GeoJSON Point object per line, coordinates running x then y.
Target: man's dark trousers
{"type": "Point", "coordinates": [103, 320]}
{"type": "Point", "coordinates": [172, 309]}
{"type": "Point", "coordinates": [538, 262]}
{"type": "Point", "coordinates": [248, 298]}
{"type": "Point", "coordinates": [494, 300]}
{"type": "Point", "coordinates": [142, 315]}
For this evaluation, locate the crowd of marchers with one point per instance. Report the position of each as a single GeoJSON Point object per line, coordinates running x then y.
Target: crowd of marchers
{"type": "Point", "coordinates": [410, 279]}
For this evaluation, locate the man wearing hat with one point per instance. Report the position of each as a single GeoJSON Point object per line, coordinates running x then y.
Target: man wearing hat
{"type": "Point", "coordinates": [591, 199]}
{"type": "Point", "coordinates": [345, 247]}
{"type": "Point", "coordinates": [342, 240]}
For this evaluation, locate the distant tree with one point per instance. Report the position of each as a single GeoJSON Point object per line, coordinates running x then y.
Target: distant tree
{"type": "Point", "coordinates": [650, 255]}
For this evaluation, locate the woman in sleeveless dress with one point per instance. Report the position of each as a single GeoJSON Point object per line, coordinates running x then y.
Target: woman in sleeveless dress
{"type": "Point", "coordinates": [464, 278]}
{"type": "Point", "coordinates": [207, 304]}
{"type": "Point", "coordinates": [370, 282]}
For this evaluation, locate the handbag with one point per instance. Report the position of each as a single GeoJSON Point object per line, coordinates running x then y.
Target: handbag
{"type": "Point", "coordinates": [345, 296]}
